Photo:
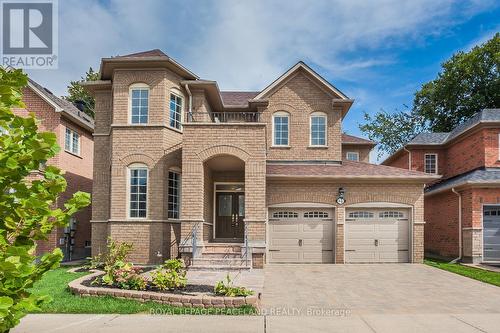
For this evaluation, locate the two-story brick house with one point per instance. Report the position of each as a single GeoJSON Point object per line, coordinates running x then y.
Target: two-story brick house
{"type": "Point", "coordinates": [73, 129]}
{"type": "Point", "coordinates": [229, 178]}
{"type": "Point", "coordinates": [462, 210]}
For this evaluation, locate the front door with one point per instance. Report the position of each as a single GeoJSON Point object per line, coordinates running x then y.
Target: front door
{"type": "Point", "coordinates": [229, 215]}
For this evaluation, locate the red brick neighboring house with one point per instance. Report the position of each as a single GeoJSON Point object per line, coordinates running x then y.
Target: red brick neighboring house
{"type": "Point", "coordinates": [73, 129]}
{"type": "Point", "coordinates": [242, 178]}
{"type": "Point", "coordinates": [462, 210]}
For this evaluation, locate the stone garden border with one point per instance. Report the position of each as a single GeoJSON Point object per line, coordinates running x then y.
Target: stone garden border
{"type": "Point", "coordinates": [198, 301]}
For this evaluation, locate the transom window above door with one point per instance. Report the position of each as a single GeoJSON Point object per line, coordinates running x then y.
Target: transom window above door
{"type": "Point", "coordinates": [318, 129]}
{"type": "Point", "coordinates": [139, 103]}
{"type": "Point", "coordinates": [281, 123]}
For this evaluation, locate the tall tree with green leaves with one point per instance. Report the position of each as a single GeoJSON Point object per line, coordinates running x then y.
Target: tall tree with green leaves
{"type": "Point", "coordinates": [77, 93]}
{"type": "Point", "coordinates": [28, 207]}
{"type": "Point", "coordinates": [467, 83]}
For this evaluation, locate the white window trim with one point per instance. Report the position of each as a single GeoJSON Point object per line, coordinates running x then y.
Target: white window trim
{"type": "Point", "coordinates": [72, 131]}
{"type": "Point", "coordinates": [425, 163]}
{"type": "Point", "coordinates": [352, 152]}
{"type": "Point", "coordinates": [177, 171]}
{"type": "Point", "coordinates": [129, 174]}
{"type": "Point", "coordinates": [132, 87]}
{"type": "Point", "coordinates": [178, 93]}
{"type": "Point", "coordinates": [281, 114]}
{"type": "Point", "coordinates": [323, 115]}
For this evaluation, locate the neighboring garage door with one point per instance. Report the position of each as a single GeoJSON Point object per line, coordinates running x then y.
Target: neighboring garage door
{"type": "Point", "coordinates": [300, 235]}
{"type": "Point", "coordinates": [491, 234]}
{"type": "Point", "coordinates": [376, 235]}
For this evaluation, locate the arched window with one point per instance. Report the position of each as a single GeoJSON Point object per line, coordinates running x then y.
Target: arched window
{"type": "Point", "coordinates": [174, 193]}
{"type": "Point", "coordinates": [175, 109]}
{"type": "Point", "coordinates": [281, 128]}
{"type": "Point", "coordinates": [139, 103]}
{"type": "Point", "coordinates": [137, 190]}
{"type": "Point", "coordinates": [318, 125]}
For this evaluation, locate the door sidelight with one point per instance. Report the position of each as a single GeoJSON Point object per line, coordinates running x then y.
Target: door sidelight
{"type": "Point", "coordinates": [376, 242]}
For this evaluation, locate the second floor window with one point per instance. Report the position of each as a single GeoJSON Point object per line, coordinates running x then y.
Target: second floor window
{"type": "Point", "coordinates": [352, 156]}
{"type": "Point", "coordinates": [318, 129]}
{"type": "Point", "coordinates": [175, 111]}
{"type": "Point", "coordinates": [138, 191]}
{"type": "Point", "coordinates": [430, 163]}
{"type": "Point", "coordinates": [280, 129]}
{"type": "Point", "coordinates": [174, 194]}
{"type": "Point", "coordinates": [72, 141]}
{"type": "Point", "coordinates": [139, 103]}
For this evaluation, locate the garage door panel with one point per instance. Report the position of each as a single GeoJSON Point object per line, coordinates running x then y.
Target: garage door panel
{"type": "Point", "coordinates": [373, 236]}
{"type": "Point", "coordinates": [316, 237]}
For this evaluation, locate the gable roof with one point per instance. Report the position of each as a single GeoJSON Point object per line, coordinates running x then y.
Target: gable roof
{"type": "Point", "coordinates": [346, 170]}
{"type": "Point", "coordinates": [351, 139]}
{"type": "Point", "coordinates": [302, 66]}
{"type": "Point", "coordinates": [150, 53]}
{"type": "Point", "coordinates": [62, 105]}
{"type": "Point", "coordinates": [473, 177]}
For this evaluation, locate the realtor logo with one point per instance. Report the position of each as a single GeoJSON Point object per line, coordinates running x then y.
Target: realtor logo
{"type": "Point", "coordinates": [29, 33]}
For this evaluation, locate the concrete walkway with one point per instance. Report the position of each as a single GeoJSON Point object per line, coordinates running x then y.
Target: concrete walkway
{"type": "Point", "coordinates": [428, 323]}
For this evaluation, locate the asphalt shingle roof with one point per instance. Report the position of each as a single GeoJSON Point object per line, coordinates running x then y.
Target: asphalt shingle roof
{"type": "Point", "coordinates": [348, 169]}
{"type": "Point", "coordinates": [237, 97]}
{"type": "Point", "coordinates": [64, 104]}
{"type": "Point", "coordinates": [346, 138]}
{"type": "Point", "coordinates": [484, 175]}
{"type": "Point", "coordinates": [437, 138]}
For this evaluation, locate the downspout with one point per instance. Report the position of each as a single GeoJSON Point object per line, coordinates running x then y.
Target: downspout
{"type": "Point", "coordinates": [190, 103]}
{"type": "Point", "coordinates": [459, 226]}
{"type": "Point", "coordinates": [409, 157]}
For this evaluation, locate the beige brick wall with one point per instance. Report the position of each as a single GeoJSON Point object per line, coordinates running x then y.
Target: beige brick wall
{"type": "Point", "coordinates": [363, 151]}
{"type": "Point", "coordinates": [300, 97]}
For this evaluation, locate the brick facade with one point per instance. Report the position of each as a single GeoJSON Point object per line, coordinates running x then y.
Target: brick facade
{"type": "Point", "coordinates": [477, 147]}
{"type": "Point", "coordinates": [77, 170]}
{"type": "Point", "coordinates": [209, 151]}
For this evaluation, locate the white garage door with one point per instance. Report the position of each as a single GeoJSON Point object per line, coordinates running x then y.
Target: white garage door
{"type": "Point", "coordinates": [301, 235]}
{"type": "Point", "coordinates": [377, 236]}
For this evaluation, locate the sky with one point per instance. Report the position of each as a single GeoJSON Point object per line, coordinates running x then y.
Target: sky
{"type": "Point", "coordinates": [376, 52]}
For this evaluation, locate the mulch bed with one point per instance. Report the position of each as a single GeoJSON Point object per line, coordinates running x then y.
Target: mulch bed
{"type": "Point", "coordinates": [190, 289]}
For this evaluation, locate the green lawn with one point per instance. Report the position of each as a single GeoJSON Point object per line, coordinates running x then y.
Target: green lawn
{"type": "Point", "coordinates": [471, 272]}
{"type": "Point", "coordinates": [55, 284]}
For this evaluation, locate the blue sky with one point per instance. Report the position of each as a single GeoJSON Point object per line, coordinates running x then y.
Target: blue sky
{"type": "Point", "coordinates": [377, 52]}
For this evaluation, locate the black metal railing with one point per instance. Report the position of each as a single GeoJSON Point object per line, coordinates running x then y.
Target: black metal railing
{"type": "Point", "coordinates": [223, 117]}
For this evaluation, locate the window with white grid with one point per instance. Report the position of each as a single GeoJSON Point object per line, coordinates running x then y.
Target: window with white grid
{"type": "Point", "coordinates": [281, 129]}
{"type": "Point", "coordinates": [174, 194]}
{"type": "Point", "coordinates": [318, 129]}
{"type": "Point", "coordinates": [139, 104]}
{"type": "Point", "coordinates": [138, 191]}
{"type": "Point", "coordinates": [72, 141]}
{"type": "Point", "coordinates": [175, 111]}
{"type": "Point", "coordinates": [430, 165]}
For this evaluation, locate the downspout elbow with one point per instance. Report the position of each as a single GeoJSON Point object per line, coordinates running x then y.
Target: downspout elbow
{"type": "Point", "coordinates": [190, 102]}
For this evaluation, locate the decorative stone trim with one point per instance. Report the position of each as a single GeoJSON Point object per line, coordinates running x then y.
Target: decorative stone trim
{"type": "Point", "coordinates": [199, 301]}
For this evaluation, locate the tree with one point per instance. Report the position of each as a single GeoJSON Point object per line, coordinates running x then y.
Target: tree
{"type": "Point", "coordinates": [467, 83]}
{"type": "Point", "coordinates": [28, 207]}
{"type": "Point", "coordinates": [77, 93]}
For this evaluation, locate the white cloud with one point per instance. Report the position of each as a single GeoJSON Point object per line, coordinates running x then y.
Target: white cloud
{"type": "Point", "coordinates": [247, 44]}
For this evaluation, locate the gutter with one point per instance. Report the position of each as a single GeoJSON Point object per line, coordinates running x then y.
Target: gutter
{"type": "Point", "coordinates": [459, 226]}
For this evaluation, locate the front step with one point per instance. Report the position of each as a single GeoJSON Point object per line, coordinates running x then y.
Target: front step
{"type": "Point", "coordinates": [221, 256]}
{"type": "Point", "coordinates": [196, 267]}
{"type": "Point", "coordinates": [237, 262]}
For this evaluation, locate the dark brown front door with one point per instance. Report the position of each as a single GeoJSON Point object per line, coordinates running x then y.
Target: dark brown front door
{"type": "Point", "coordinates": [229, 215]}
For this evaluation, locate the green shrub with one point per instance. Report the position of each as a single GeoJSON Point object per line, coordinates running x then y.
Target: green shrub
{"type": "Point", "coordinates": [129, 277]}
{"type": "Point", "coordinates": [95, 262]}
{"type": "Point", "coordinates": [226, 288]}
{"type": "Point", "coordinates": [171, 275]}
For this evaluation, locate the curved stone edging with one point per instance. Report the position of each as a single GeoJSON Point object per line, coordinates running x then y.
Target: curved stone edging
{"type": "Point", "coordinates": [199, 301]}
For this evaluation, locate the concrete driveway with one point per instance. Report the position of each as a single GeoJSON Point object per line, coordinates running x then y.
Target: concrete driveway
{"type": "Point", "coordinates": [374, 289]}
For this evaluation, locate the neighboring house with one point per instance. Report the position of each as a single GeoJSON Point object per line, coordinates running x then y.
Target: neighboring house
{"type": "Point", "coordinates": [462, 211]}
{"type": "Point", "coordinates": [184, 169]}
{"type": "Point", "coordinates": [73, 129]}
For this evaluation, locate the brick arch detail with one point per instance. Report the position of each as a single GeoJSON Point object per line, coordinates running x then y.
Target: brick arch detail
{"type": "Point", "coordinates": [281, 107]}
{"type": "Point", "coordinates": [374, 197]}
{"type": "Point", "coordinates": [214, 151]}
{"type": "Point", "coordinates": [138, 158]}
{"type": "Point", "coordinates": [282, 198]}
